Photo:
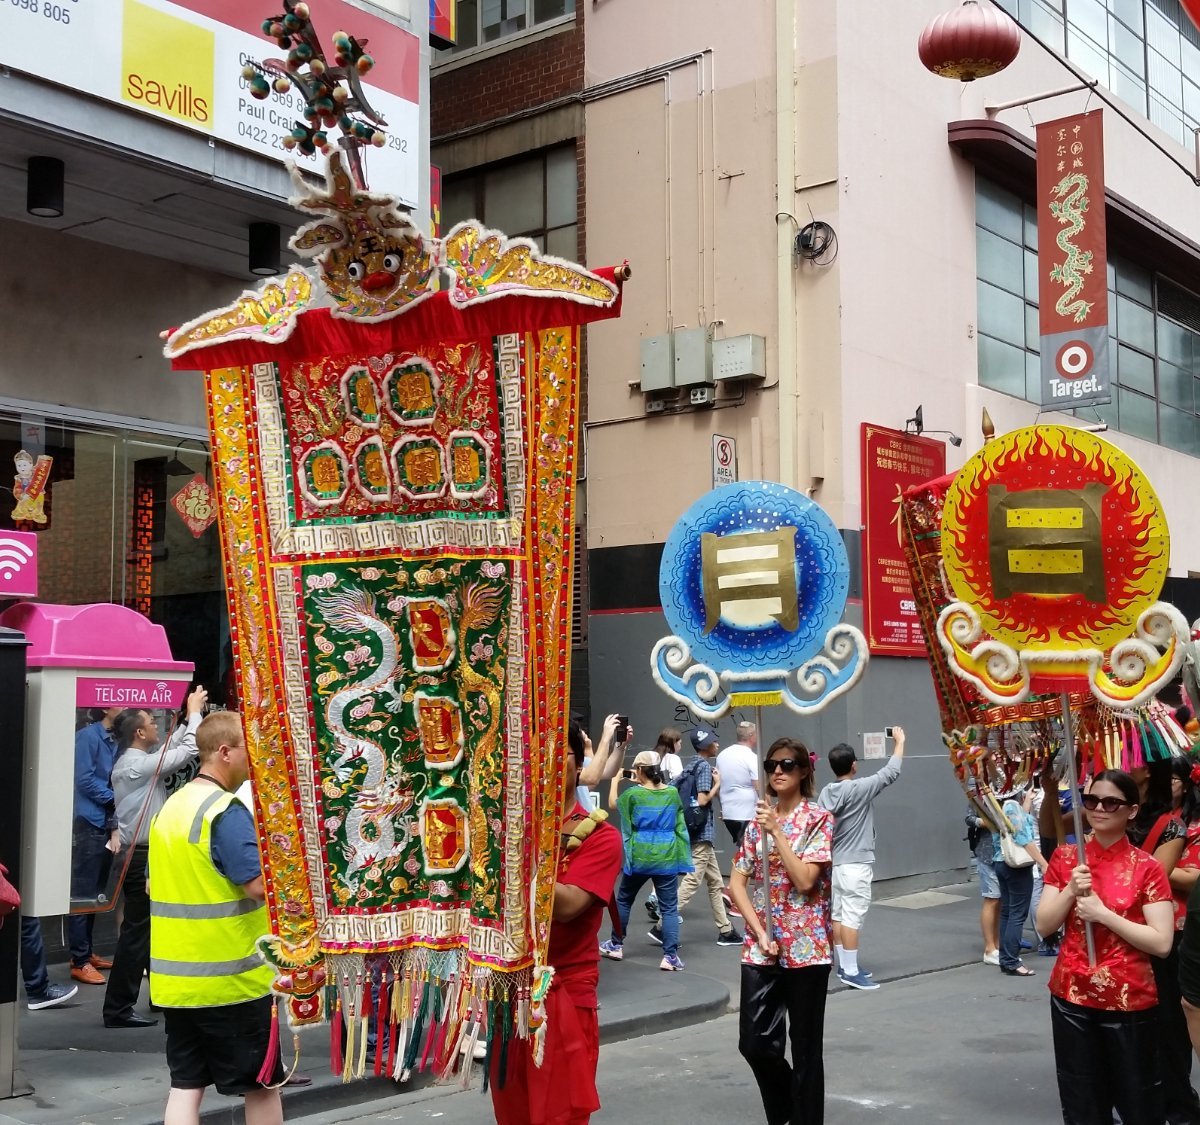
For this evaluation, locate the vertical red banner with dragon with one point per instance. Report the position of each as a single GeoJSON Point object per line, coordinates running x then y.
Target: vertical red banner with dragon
{"type": "Point", "coordinates": [395, 492]}
{"type": "Point", "coordinates": [1072, 262]}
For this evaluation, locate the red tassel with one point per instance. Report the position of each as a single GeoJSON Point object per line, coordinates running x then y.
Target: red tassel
{"type": "Point", "coordinates": [381, 1008]}
{"type": "Point", "coordinates": [393, 1037]}
{"type": "Point", "coordinates": [336, 1062]}
{"type": "Point", "coordinates": [267, 1073]}
{"type": "Point", "coordinates": [430, 1037]}
{"type": "Point", "coordinates": [439, 1048]}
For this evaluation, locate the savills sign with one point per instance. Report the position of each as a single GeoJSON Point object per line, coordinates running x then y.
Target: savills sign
{"type": "Point", "coordinates": [1072, 262]}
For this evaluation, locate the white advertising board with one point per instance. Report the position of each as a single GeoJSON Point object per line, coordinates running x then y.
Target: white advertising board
{"type": "Point", "coordinates": [182, 62]}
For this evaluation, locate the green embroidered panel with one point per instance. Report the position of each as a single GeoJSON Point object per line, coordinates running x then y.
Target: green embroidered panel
{"type": "Point", "coordinates": [407, 666]}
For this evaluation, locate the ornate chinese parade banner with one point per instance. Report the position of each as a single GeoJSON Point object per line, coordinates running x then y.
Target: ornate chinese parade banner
{"type": "Point", "coordinates": [892, 462]}
{"type": "Point", "coordinates": [395, 495]}
{"type": "Point", "coordinates": [1072, 262]}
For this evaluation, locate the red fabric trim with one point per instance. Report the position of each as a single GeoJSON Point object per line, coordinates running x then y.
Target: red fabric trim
{"type": "Point", "coordinates": [317, 332]}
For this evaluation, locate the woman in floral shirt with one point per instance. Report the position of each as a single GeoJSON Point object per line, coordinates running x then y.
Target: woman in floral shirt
{"type": "Point", "coordinates": [785, 974]}
{"type": "Point", "coordinates": [1106, 1037]}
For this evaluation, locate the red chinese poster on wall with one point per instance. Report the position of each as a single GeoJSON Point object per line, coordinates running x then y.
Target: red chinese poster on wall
{"type": "Point", "coordinates": [1072, 262]}
{"type": "Point", "coordinates": [891, 462]}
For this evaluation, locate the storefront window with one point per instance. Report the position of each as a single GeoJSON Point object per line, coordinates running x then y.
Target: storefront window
{"type": "Point", "coordinates": [101, 503]}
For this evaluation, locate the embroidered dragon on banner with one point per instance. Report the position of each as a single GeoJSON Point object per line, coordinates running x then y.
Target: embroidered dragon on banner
{"type": "Point", "coordinates": [375, 827]}
{"type": "Point", "coordinates": [1069, 208]}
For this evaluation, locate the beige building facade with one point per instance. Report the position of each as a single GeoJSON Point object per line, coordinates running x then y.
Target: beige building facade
{"type": "Point", "coordinates": [708, 136]}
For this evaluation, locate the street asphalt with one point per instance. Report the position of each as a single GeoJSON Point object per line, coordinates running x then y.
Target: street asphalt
{"type": "Point", "coordinates": [945, 1039]}
{"type": "Point", "coordinates": [82, 1072]}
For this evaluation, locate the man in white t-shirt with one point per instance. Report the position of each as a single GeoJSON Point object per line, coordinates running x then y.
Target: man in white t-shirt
{"type": "Point", "coordinates": [738, 767]}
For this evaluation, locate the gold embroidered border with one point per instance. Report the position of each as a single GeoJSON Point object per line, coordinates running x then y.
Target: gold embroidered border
{"type": "Point", "coordinates": [257, 658]}
{"type": "Point", "coordinates": [552, 402]}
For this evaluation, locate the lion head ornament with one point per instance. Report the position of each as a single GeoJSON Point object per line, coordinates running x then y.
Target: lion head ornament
{"type": "Point", "coordinates": [373, 260]}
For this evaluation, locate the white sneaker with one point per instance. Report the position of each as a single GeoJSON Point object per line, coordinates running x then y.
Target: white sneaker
{"type": "Point", "coordinates": [992, 958]}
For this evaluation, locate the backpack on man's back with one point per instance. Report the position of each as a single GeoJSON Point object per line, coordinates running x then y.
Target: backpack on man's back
{"type": "Point", "coordinates": [695, 815]}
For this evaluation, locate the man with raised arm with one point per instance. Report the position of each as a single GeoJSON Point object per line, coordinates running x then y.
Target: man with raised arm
{"type": "Point", "coordinates": [851, 799]}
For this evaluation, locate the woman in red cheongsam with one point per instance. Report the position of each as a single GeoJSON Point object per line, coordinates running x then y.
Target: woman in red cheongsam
{"type": "Point", "coordinates": [1103, 1016]}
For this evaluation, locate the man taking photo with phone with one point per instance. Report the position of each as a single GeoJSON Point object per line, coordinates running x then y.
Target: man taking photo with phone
{"type": "Point", "coordinates": [850, 798]}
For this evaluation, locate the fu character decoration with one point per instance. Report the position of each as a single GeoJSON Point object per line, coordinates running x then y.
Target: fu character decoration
{"type": "Point", "coordinates": [1055, 545]}
{"type": "Point", "coordinates": [753, 583]}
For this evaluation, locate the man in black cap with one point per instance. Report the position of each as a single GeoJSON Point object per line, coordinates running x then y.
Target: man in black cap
{"type": "Point", "coordinates": [698, 785]}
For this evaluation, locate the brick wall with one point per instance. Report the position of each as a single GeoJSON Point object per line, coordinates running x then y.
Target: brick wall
{"type": "Point", "coordinates": [511, 80]}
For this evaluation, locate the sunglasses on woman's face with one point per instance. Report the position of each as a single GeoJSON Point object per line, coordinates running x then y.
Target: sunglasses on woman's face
{"type": "Point", "coordinates": [785, 764]}
{"type": "Point", "coordinates": [1105, 804]}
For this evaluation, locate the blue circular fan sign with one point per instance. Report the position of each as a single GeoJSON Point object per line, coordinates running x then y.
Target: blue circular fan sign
{"type": "Point", "coordinates": [753, 577]}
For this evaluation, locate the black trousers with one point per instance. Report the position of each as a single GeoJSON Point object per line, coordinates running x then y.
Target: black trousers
{"type": "Point", "coordinates": [795, 1094]}
{"type": "Point", "coordinates": [736, 830]}
{"type": "Point", "coordinates": [132, 958]}
{"type": "Point", "coordinates": [1175, 1047]}
{"type": "Point", "coordinates": [1106, 1061]}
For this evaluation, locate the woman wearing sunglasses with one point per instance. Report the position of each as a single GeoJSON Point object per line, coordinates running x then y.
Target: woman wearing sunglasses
{"type": "Point", "coordinates": [1104, 1021]}
{"type": "Point", "coordinates": [784, 976]}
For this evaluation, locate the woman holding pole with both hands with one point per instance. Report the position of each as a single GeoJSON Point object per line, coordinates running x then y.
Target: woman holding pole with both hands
{"type": "Point", "coordinates": [1103, 1016]}
{"type": "Point", "coordinates": [785, 972]}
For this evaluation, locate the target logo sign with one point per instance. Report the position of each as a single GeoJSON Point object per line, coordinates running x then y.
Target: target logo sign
{"type": "Point", "coordinates": [1075, 368]}
{"type": "Point", "coordinates": [1074, 359]}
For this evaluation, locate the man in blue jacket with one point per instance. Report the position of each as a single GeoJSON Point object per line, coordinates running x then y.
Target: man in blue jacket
{"type": "Point", "coordinates": [93, 839]}
{"type": "Point", "coordinates": [850, 799]}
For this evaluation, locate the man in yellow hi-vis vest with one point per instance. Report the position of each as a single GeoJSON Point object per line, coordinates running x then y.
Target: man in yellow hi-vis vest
{"type": "Point", "coordinates": [206, 915]}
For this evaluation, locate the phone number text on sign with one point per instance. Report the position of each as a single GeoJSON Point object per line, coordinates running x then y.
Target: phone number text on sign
{"type": "Point", "coordinates": [60, 13]}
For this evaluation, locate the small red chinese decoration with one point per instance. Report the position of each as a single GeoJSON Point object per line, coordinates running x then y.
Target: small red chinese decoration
{"type": "Point", "coordinates": [969, 42]}
{"type": "Point", "coordinates": [1192, 7]}
{"type": "Point", "coordinates": [196, 505]}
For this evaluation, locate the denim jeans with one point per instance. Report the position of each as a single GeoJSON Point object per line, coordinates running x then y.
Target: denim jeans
{"type": "Point", "coordinates": [90, 864]}
{"type": "Point", "coordinates": [666, 887]}
{"type": "Point", "coordinates": [33, 957]}
{"type": "Point", "coordinates": [1016, 889]}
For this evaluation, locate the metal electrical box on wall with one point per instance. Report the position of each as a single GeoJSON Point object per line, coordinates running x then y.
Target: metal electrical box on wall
{"type": "Point", "coordinates": [693, 357]}
{"type": "Point", "coordinates": [658, 363]}
{"type": "Point", "coordinates": [739, 357]}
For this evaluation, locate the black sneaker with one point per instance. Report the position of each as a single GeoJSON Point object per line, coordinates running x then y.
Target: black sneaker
{"type": "Point", "coordinates": [655, 934]}
{"type": "Point", "coordinates": [730, 937]}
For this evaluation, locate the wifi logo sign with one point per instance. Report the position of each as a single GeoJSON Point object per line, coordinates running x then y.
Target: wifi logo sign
{"type": "Point", "coordinates": [18, 564]}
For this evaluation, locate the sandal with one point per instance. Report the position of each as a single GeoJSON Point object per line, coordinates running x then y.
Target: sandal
{"type": "Point", "coordinates": [1019, 971]}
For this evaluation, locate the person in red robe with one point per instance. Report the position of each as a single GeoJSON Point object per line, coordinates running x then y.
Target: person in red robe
{"type": "Point", "coordinates": [562, 1091]}
{"type": "Point", "coordinates": [1103, 1016]}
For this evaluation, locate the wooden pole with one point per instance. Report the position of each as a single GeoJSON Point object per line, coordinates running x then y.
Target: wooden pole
{"type": "Point", "coordinates": [1076, 809]}
{"type": "Point", "coordinates": [763, 839]}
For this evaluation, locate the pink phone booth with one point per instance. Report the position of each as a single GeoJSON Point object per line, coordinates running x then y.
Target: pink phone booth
{"type": "Point", "coordinates": [79, 657]}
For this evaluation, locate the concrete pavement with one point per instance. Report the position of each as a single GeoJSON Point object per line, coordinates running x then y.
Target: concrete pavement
{"type": "Point", "coordinates": [83, 1073]}
{"type": "Point", "coordinates": [963, 1045]}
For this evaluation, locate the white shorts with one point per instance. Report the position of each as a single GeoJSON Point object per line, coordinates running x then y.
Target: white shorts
{"type": "Point", "coordinates": [851, 893]}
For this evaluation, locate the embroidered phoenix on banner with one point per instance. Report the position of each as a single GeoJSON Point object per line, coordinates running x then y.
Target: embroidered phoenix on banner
{"type": "Point", "coordinates": [395, 492]}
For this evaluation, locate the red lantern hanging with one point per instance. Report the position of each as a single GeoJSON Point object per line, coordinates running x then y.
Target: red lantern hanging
{"type": "Point", "coordinates": [1192, 7]}
{"type": "Point", "coordinates": [971, 41]}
